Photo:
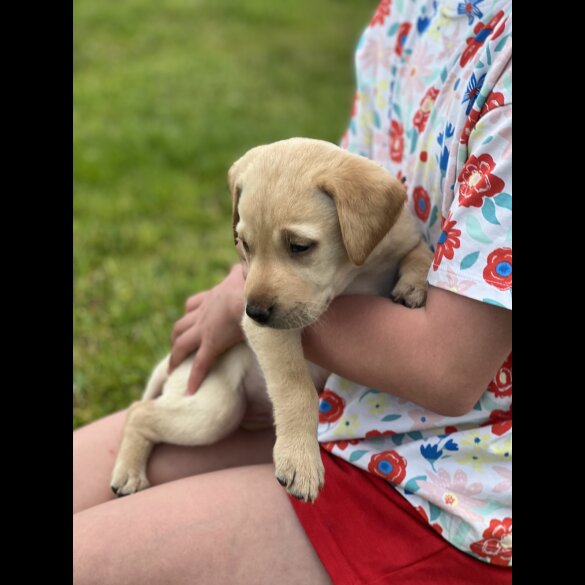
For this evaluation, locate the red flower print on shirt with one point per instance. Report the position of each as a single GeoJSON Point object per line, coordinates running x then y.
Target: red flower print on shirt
{"type": "Point", "coordinates": [500, 421]}
{"type": "Point", "coordinates": [469, 126]}
{"type": "Point", "coordinates": [435, 526]}
{"type": "Point", "coordinates": [501, 385]}
{"type": "Point", "coordinates": [328, 446]}
{"type": "Point", "coordinates": [389, 465]}
{"type": "Point", "coordinates": [477, 181]}
{"type": "Point", "coordinates": [472, 48]}
{"type": "Point", "coordinates": [381, 13]}
{"type": "Point", "coordinates": [396, 141]}
{"type": "Point", "coordinates": [331, 406]}
{"type": "Point", "coordinates": [494, 100]}
{"type": "Point", "coordinates": [496, 545]}
{"type": "Point", "coordinates": [498, 270]}
{"type": "Point", "coordinates": [447, 242]}
{"type": "Point", "coordinates": [426, 105]}
{"type": "Point", "coordinates": [401, 38]}
{"type": "Point", "coordinates": [482, 32]}
{"type": "Point", "coordinates": [375, 433]}
{"type": "Point", "coordinates": [500, 28]}
{"type": "Point", "coordinates": [422, 203]}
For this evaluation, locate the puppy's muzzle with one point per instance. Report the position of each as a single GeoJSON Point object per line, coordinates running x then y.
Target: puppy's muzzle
{"type": "Point", "coordinates": [259, 313]}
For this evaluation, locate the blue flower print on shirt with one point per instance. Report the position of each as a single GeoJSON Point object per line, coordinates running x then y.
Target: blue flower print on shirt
{"type": "Point", "coordinates": [442, 140]}
{"type": "Point", "coordinates": [473, 88]}
{"type": "Point", "coordinates": [423, 21]}
{"type": "Point", "coordinates": [471, 9]}
{"type": "Point", "coordinates": [432, 453]}
{"type": "Point", "coordinates": [449, 131]}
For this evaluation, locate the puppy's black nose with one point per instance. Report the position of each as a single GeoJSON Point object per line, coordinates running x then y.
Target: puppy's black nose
{"type": "Point", "coordinates": [259, 313]}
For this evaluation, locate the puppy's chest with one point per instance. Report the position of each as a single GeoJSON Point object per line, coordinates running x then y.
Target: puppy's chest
{"type": "Point", "coordinates": [376, 279]}
{"type": "Point", "coordinates": [258, 405]}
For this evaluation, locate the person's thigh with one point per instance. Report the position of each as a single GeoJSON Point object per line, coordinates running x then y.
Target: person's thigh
{"type": "Point", "coordinates": [226, 527]}
{"type": "Point", "coordinates": [95, 447]}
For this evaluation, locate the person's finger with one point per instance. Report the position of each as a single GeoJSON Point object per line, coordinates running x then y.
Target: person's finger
{"type": "Point", "coordinates": [194, 301]}
{"type": "Point", "coordinates": [183, 346]}
{"type": "Point", "coordinates": [184, 323]}
{"type": "Point", "coordinates": [201, 364]}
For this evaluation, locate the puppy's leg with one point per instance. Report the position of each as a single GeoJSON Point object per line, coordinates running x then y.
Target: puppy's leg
{"type": "Point", "coordinates": [411, 288]}
{"type": "Point", "coordinates": [206, 417]}
{"type": "Point", "coordinates": [297, 458]}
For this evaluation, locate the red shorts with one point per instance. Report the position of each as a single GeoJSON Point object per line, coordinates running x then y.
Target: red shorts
{"type": "Point", "coordinates": [365, 532]}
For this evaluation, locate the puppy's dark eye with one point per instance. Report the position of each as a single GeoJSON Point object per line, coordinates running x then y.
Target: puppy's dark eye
{"type": "Point", "coordinates": [245, 246]}
{"type": "Point", "coordinates": [296, 249]}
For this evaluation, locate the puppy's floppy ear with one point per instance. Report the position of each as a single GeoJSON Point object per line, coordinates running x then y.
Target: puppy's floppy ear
{"type": "Point", "coordinates": [368, 200]}
{"type": "Point", "coordinates": [234, 183]}
{"type": "Point", "coordinates": [236, 191]}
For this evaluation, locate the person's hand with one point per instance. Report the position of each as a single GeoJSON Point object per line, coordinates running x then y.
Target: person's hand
{"type": "Point", "coordinates": [210, 326]}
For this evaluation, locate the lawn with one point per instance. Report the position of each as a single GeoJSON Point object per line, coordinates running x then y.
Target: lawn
{"type": "Point", "coordinates": [166, 95]}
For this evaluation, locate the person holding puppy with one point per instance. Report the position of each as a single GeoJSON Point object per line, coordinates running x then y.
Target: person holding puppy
{"type": "Point", "coordinates": [415, 424]}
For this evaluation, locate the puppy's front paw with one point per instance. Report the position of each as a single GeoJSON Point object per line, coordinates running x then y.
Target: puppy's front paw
{"type": "Point", "coordinates": [299, 468]}
{"type": "Point", "coordinates": [409, 293]}
{"type": "Point", "coordinates": [126, 481]}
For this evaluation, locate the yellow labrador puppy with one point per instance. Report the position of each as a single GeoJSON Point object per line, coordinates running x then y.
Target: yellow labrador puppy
{"type": "Point", "coordinates": [314, 221]}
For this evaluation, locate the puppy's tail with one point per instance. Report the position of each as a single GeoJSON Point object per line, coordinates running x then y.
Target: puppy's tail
{"type": "Point", "coordinates": [157, 380]}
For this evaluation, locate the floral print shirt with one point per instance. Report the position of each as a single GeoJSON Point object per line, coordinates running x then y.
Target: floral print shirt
{"type": "Point", "coordinates": [433, 105]}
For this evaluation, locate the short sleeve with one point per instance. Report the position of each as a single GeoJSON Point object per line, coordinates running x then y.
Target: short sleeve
{"type": "Point", "coordinates": [473, 254]}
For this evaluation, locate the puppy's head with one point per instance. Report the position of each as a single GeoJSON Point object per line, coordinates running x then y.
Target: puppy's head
{"type": "Point", "coordinates": [305, 212]}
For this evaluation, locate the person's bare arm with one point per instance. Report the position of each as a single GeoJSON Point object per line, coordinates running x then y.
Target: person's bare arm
{"type": "Point", "coordinates": [210, 326]}
{"type": "Point", "coordinates": [441, 357]}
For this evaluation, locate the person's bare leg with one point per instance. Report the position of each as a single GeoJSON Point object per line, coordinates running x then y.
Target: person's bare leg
{"type": "Point", "coordinates": [226, 527]}
{"type": "Point", "coordinates": [95, 447]}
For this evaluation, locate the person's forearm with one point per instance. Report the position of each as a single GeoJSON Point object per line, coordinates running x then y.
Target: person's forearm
{"type": "Point", "coordinates": [431, 356]}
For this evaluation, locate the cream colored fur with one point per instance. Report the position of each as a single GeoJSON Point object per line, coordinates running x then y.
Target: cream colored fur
{"type": "Point", "coordinates": [351, 213]}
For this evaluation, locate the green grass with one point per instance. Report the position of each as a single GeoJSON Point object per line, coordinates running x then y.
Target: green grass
{"type": "Point", "coordinates": [166, 95]}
